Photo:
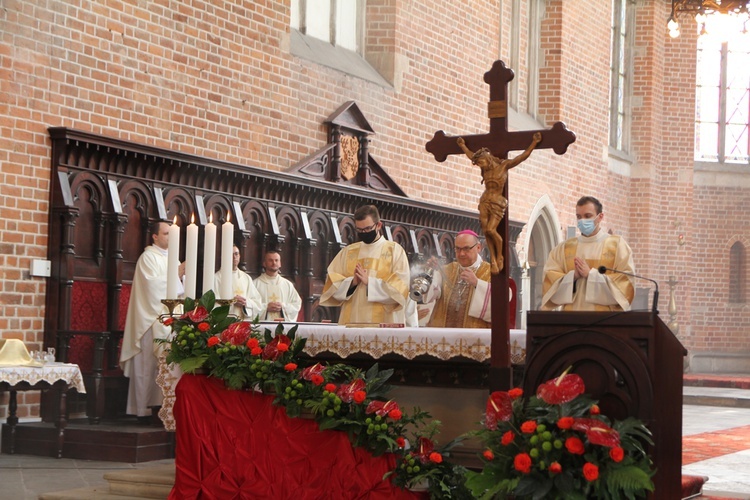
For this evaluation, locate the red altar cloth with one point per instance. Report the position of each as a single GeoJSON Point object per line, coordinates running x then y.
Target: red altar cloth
{"type": "Point", "coordinates": [238, 445]}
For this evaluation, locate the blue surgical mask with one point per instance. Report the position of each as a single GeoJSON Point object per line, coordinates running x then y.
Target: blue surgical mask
{"type": "Point", "coordinates": [587, 226]}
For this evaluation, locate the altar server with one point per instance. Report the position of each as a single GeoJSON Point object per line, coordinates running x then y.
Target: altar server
{"type": "Point", "coordinates": [369, 279]}
{"type": "Point", "coordinates": [571, 276]}
{"type": "Point", "coordinates": [280, 298]}
{"type": "Point", "coordinates": [138, 356]}
{"type": "Point", "coordinates": [247, 301]}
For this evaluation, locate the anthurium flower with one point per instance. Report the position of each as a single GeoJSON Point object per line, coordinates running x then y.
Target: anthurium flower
{"type": "Point", "coordinates": [499, 408]}
{"type": "Point", "coordinates": [381, 408]}
{"type": "Point", "coordinates": [197, 315]}
{"type": "Point", "coordinates": [310, 371]}
{"type": "Point", "coordinates": [168, 321]}
{"type": "Point", "coordinates": [424, 448]}
{"type": "Point", "coordinates": [346, 391]}
{"type": "Point", "coordinates": [597, 431]}
{"type": "Point", "coordinates": [562, 389]}
{"type": "Point", "coordinates": [273, 349]}
{"type": "Point", "coordinates": [236, 333]}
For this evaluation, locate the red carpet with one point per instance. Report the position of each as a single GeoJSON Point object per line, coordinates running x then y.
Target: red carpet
{"type": "Point", "coordinates": [699, 447]}
{"type": "Point", "coordinates": [732, 381]}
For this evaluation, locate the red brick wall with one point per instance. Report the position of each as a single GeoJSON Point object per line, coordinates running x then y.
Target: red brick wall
{"type": "Point", "coordinates": [216, 79]}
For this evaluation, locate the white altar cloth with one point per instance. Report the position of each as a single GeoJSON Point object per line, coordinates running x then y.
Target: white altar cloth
{"type": "Point", "coordinates": [49, 372]}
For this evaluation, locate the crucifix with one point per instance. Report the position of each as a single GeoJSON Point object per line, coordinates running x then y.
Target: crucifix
{"type": "Point", "coordinates": [497, 143]}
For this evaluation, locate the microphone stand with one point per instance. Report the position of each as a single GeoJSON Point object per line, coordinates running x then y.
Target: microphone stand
{"type": "Point", "coordinates": [654, 306]}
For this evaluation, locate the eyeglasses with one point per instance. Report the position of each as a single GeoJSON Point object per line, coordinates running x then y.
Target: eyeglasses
{"type": "Point", "coordinates": [366, 229]}
{"type": "Point", "coordinates": [465, 249]}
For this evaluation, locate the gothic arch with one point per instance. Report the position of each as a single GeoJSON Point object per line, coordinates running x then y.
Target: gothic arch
{"type": "Point", "coordinates": [539, 240]}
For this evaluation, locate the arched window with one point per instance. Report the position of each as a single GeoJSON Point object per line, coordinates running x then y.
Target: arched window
{"type": "Point", "coordinates": [737, 273]}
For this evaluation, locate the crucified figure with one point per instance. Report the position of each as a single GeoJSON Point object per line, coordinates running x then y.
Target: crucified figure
{"type": "Point", "coordinates": [492, 204]}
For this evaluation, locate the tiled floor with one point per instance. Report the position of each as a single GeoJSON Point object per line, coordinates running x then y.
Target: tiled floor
{"type": "Point", "coordinates": [716, 443]}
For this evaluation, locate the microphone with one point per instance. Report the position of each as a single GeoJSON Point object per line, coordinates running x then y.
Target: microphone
{"type": "Point", "coordinates": [654, 307]}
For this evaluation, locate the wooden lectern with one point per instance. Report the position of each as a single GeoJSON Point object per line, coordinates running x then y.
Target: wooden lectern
{"type": "Point", "coordinates": [630, 361]}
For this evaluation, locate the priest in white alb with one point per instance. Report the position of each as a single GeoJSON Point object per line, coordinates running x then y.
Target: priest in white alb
{"type": "Point", "coordinates": [461, 292]}
{"type": "Point", "coordinates": [369, 279]}
{"type": "Point", "coordinates": [138, 358]}
{"type": "Point", "coordinates": [247, 301]}
{"type": "Point", "coordinates": [280, 298]}
{"type": "Point", "coordinates": [572, 280]}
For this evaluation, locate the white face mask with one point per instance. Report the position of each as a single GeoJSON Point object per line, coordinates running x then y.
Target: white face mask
{"type": "Point", "coordinates": [587, 226]}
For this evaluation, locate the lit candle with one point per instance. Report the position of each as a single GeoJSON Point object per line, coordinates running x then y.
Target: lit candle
{"type": "Point", "coordinates": [209, 255]}
{"type": "Point", "coordinates": [173, 260]}
{"type": "Point", "coordinates": [227, 242]}
{"type": "Point", "coordinates": [191, 259]}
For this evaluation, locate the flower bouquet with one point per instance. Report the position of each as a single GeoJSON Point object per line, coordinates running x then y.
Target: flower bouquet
{"type": "Point", "coordinates": [558, 445]}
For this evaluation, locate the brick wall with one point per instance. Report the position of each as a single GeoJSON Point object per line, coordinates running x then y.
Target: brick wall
{"type": "Point", "coordinates": [216, 79]}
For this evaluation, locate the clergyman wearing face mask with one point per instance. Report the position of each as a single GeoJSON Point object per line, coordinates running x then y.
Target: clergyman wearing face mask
{"type": "Point", "coordinates": [572, 281]}
{"type": "Point", "coordinates": [368, 279]}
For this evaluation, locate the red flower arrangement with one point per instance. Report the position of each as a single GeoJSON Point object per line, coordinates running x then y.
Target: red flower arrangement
{"type": "Point", "coordinates": [558, 445]}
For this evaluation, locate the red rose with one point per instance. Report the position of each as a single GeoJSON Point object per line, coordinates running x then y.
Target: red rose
{"type": "Point", "coordinates": [555, 468]}
{"type": "Point", "coordinates": [508, 438]}
{"type": "Point", "coordinates": [168, 321]}
{"type": "Point", "coordinates": [401, 442]}
{"type": "Point", "coordinates": [282, 347]}
{"type": "Point", "coordinates": [317, 379]}
{"type": "Point", "coordinates": [255, 351]}
{"type": "Point", "coordinates": [436, 457]}
{"type": "Point", "coordinates": [395, 414]}
{"type": "Point", "coordinates": [290, 367]}
{"type": "Point", "coordinates": [488, 455]}
{"type": "Point", "coordinates": [595, 410]}
{"type": "Point", "coordinates": [574, 446]}
{"type": "Point", "coordinates": [617, 454]}
{"type": "Point", "coordinates": [528, 427]}
{"type": "Point", "coordinates": [359, 397]}
{"type": "Point", "coordinates": [253, 342]}
{"type": "Point", "coordinates": [522, 463]}
{"type": "Point", "coordinates": [212, 341]}
{"type": "Point", "coordinates": [565, 423]}
{"type": "Point", "coordinates": [590, 471]}
{"type": "Point", "coordinates": [204, 327]}
{"type": "Point", "coordinates": [330, 387]}
{"type": "Point", "coordinates": [515, 393]}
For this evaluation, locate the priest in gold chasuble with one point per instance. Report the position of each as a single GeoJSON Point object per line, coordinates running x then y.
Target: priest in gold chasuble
{"type": "Point", "coordinates": [369, 279]}
{"type": "Point", "coordinates": [571, 276]}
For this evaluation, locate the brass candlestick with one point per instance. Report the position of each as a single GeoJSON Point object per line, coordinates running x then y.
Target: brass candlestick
{"type": "Point", "coordinates": [171, 304]}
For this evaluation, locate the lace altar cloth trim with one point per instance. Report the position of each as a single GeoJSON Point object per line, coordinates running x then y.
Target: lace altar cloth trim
{"type": "Point", "coordinates": [50, 373]}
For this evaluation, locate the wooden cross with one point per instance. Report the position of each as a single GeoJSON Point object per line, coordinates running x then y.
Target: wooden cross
{"type": "Point", "coordinates": [500, 141]}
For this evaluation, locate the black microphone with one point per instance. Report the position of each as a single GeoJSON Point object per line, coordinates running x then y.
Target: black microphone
{"type": "Point", "coordinates": [654, 307]}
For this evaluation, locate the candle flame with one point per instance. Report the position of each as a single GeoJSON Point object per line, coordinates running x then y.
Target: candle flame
{"type": "Point", "coordinates": [211, 219]}
{"type": "Point", "coordinates": [229, 216]}
{"type": "Point", "coordinates": [174, 221]}
{"type": "Point", "coordinates": [192, 218]}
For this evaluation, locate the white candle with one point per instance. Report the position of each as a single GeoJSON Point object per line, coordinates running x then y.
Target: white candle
{"type": "Point", "coordinates": [209, 255]}
{"type": "Point", "coordinates": [191, 259]}
{"type": "Point", "coordinates": [173, 260]}
{"type": "Point", "coordinates": [227, 242]}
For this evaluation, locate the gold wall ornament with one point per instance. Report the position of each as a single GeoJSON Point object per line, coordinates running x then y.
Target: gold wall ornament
{"type": "Point", "coordinates": [349, 156]}
{"type": "Point", "coordinates": [492, 203]}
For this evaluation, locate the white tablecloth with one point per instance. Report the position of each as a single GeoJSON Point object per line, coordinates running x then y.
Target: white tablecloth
{"type": "Point", "coordinates": [50, 373]}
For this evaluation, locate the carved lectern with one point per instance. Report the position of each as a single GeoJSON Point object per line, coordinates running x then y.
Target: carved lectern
{"type": "Point", "coordinates": [630, 361]}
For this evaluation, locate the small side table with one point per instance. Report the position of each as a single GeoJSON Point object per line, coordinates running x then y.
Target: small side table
{"type": "Point", "coordinates": [57, 376]}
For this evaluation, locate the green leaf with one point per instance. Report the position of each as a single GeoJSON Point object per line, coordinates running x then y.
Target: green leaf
{"type": "Point", "coordinates": [189, 365]}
